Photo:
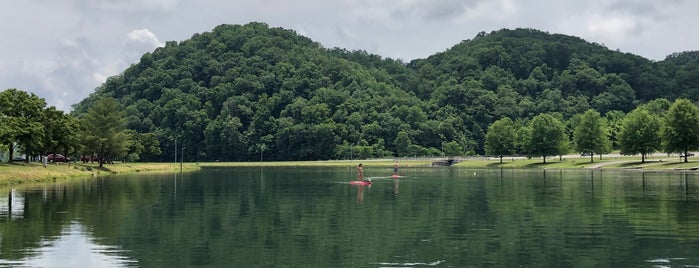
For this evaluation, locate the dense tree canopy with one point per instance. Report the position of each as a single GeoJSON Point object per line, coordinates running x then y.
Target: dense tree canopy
{"type": "Point", "coordinates": [501, 137]}
{"type": "Point", "coordinates": [591, 135]}
{"type": "Point", "coordinates": [104, 131]}
{"type": "Point", "coordinates": [22, 115]}
{"type": "Point", "coordinates": [640, 133]}
{"type": "Point", "coordinates": [248, 92]}
{"type": "Point", "coordinates": [29, 127]}
{"type": "Point", "coordinates": [681, 130]}
{"type": "Point", "coordinates": [547, 137]}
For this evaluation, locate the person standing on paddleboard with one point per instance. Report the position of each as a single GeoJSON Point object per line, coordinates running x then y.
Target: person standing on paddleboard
{"type": "Point", "coordinates": [360, 172]}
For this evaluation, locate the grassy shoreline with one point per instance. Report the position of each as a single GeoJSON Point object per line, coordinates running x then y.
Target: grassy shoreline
{"type": "Point", "coordinates": [661, 163]}
{"type": "Point", "coordinates": [20, 173]}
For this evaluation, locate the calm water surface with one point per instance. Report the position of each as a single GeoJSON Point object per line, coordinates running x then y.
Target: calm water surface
{"type": "Point", "coordinates": [311, 217]}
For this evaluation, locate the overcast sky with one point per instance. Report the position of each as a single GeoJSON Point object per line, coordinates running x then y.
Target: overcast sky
{"type": "Point", "coordinates": [62, 50]}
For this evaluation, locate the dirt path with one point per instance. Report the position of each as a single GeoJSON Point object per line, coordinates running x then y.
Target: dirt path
{"type": "Point", "coordinates": [647, 163]}
{"type": "Point", "coordinates": [599, 165]}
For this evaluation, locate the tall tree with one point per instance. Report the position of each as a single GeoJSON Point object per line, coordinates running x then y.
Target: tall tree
{"type": "Point", "coordinates": [4, 132]}
{"type": "Point", "coordinates": [21, 114]}
{"type": "Point", "coordinates": [105, 131]}
{"type": "Point", "coordinates": [612, 120]}
{"type": "Point", "coordinates": [591, 135]}
{"type": "Point", "coordinates": [59, 132]}
{"type": "Point", "coordinates": [403, 142]}
{"type": "Point", "coordinates": [501, 138]}
{"type": "Point", "coordinates": [681, 131]}
{"type": "Point", "coordinates": [639, 133]}
{"type": "Point", "coordinates": [546, 137]}
{"type": "Point", "coordinates": [151, 145]}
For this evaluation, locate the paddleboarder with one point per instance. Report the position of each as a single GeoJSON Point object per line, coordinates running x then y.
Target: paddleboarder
{"type": "Point", "coordinates": [360, 172]}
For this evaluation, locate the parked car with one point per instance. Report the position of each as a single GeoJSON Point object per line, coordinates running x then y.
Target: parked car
{"type": "Point", "coordinates": [19, 159]}
{"type": "Point", "coordinates": [57, 158]}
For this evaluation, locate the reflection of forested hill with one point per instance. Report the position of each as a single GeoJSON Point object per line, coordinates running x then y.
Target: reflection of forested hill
{"type": "Point", "coordinates": [246, 92]}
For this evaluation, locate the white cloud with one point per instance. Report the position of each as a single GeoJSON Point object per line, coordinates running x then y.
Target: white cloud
{"type": "Point", "coordinates": [145, 36]}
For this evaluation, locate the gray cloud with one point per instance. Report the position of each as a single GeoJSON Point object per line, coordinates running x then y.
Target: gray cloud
{"type": "Point", "coordinates": [433, 10]}
{"type": "Point", "coordinates": [131, 5]}
{"type": "Point", "coordinates": [63, 50]}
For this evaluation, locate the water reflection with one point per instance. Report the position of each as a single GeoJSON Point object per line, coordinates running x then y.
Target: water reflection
{"type": "Point", "coordinates": [300, 217]}
{"type": "Point", "coordinates": [74, 247]}
{"type": "Point", "coordinates": [395, 186]}
{"type": "Point", "coordinates": [12, 205]}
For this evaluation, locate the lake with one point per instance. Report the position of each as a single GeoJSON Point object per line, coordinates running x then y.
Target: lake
{"type": "Point", "coordinates": [312, 217]}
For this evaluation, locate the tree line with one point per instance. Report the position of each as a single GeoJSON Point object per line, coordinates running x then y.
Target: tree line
{"type": "Point", "coordinates": [658, 125]}
{"type": "Point", "coordinates": [29, 127]}
{"type": "Point", "coordinates": [655, 126]}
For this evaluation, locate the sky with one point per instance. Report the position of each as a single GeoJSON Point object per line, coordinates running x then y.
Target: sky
{"type": "Point", "coordinates": [62, 50]}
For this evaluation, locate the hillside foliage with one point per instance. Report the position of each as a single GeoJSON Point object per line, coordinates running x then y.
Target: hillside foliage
{"type": "Point", "coordinates": [251, 92]}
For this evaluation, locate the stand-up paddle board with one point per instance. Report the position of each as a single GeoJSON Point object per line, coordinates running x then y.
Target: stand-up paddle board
{"type": "Point", "coordinates": [360, 182]}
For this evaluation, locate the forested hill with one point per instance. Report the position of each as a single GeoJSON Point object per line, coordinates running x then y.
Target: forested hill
{"type": "Point", "coordinates": [248, 92]}
{"type": "Point", "coordinates": [531, 61]}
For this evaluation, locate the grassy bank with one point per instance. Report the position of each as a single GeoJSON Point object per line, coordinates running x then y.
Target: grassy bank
{"type": "Point", "coordinates": [324, 163]}
{"type": "Point", "coordinates": [658, 163]}
{"type": "Point", "coordinates": [18, 173]}
{"type": "Point", "coordinates": [617, 163]}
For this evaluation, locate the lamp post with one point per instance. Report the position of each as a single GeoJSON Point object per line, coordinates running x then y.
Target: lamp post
{"type": "Point", "coordinates": [262, 149]}
{"type": "Point", "coordinates": [181, 157]}
{"type": "Point", "coordinates": [351, 149]}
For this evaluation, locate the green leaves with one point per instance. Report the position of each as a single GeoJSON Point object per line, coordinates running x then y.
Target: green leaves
{"type": "Point", "coordinates": [591, 135]}
{"type": "Point", "coordinates": [640, 133]}
{"type": "Point", "coordinates": [681, 130]}
{"type": "Point", "coordinates": [22, 114]}
{"type": "Point", "coordinates": [547, 137]}
{"type": "Point", "coordinates": [283, 89]}
{"type": "Point", "coordinates": [500, 138]}
{"type": "Point", "coordinates": [104, 130]}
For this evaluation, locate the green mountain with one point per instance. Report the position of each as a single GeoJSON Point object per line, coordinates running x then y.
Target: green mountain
{"type": "Point", "coordinates": [242, 93]}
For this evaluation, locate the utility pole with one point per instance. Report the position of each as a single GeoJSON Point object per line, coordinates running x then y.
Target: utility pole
{"type": "Point", "coordinates": [181, 157]}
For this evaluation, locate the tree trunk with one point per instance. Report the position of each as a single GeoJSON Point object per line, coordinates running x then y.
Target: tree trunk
{"type": "Point", "coordinates": [12, 150]}
{"type": "Point", "coordinates": [643, 158]}
{"type": "Point", "coordinates": [500, 159]}
{"type": "Point", "coordinates": [592, 158]}
{"type": "Point", "coordinates": [685, 156]}
{"type": "Point", "coordinates": [100, 158]}
{"type": "Point", "coordinates": [544, 159]}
